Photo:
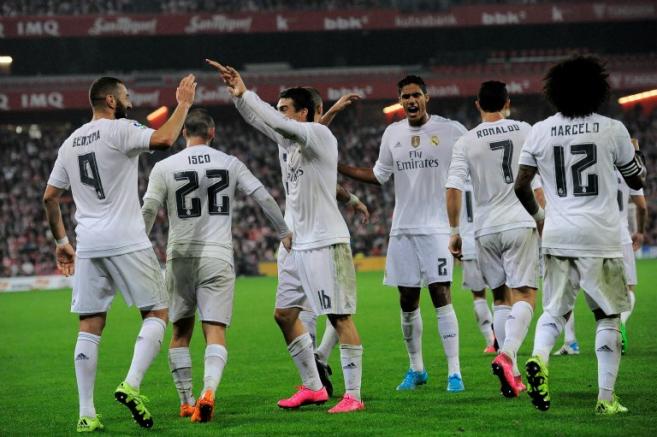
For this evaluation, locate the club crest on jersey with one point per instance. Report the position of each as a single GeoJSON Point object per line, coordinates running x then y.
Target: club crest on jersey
{"type": "Point", "coordinates": [435, 140]}
{"type": "Point", "coordinates": [415, 141]}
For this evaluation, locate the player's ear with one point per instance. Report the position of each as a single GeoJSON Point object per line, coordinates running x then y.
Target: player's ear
{"type": "Point", "coordinates": [212, 132]}
{"type": "Point", "coordinates": [184, 133]}
{"type": "Point", "coordinates": [477, 105]}
{"type": "Point", "coordinates": [110, 101]}
{"type": "Point", "coordinates": [426, 98]}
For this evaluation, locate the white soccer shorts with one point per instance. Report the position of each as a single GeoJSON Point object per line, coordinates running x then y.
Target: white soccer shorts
{"type": "Point", "coordinates": [509, 257]}
{"type": "Point", "coordinates": [329, 279]}
{"type": "Point", "coordinates": [206, 284]}
{"type": "Point", "coordinates": [136, 274]}
{"type": "Point", "coordinates": [602, 279]}
{"type": "Point", "coordinates": [418, 260]}
{"type": "Point", "coordinates": [629, 261]}
{"type": "Point", "coordinates": [289, 292]}
{"type": "Point", "coordinates": [473, 279]}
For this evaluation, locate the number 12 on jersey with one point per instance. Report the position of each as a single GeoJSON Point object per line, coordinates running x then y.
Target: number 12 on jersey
{"type": "Point", "coordinates": [217, 205]}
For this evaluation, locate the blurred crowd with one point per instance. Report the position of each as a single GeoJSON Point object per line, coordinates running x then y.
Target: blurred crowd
{"type": "Point", "coordinates": [26, 246]}
{"type": "Point", "coordinates": [109, 7]}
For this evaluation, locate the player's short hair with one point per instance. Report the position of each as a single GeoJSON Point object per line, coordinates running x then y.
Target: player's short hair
{"type": "Point", "coordinates": [417, 80]}
{"type": "Point", "coordinates": [492, 96]}
{"type": "Point", "coordinates": [316, 96]}
{"type": "Point", "coordinates": [198, 123]}
{"type": "Point", "coordinates": [301, 98]}
{"type": "Point", "coordinates": [101, 88]}
{"type": "Point", "coordinates": [578, 86]}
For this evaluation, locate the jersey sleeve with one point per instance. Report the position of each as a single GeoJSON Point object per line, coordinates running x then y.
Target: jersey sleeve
{"type": "Point", "coordinates": [290, 129]}
{"type": "Point", "coordinates": [623, 150]}
{"type": "Point", "coordinates": [132, 137]}
{"type": "Point", "coordinates": [528, 151]}
{"type": "Point", "coordinates": [458, 169]}
{"type": "Point", "coordinates": [246, 182]}
{"type": "Point", "coordinates": [59, 176]}
{"type": "Point", "coordinates": [383, 167]}
{"type": "Point", "coordinates": [251, 118]}
{"type": "Point", "coordinates": [157, 186]}
{"type": "Point", "coordinates": [636, 192]}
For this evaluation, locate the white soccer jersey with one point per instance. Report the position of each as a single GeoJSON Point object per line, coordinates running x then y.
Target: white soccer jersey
{"type": "Point", "coordinates": [488, 154]}
{"type": "Point", "coordinates": [624, 194]}
{"type": "Point", "coordinates": [198, 186]}
{"type": "Point", "coordinates": [99, 162]}
{"type": "Point", "coordinates": [419, 159]}
{"type": "Point", "coordinates": [576, 159]}
{"type": "Point", "coordinates": [310, 156]}
{"type": "Point", "coordinates": [467, 223]}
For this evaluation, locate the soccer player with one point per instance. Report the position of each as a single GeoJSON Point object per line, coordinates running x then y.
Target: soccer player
{"type": "Point", "coordinates": [99, 163]}
{"type": "Point", "coordinates": [631, 242]}
{"type": "Point", "coordinates": [320, 259]}
{"type": "Point", "coordinates": [309, 318]}
{"type": "Point", "coordinates": [417, 151]}
{"type": "Point", "coordinates": [473, 279]}
{"type": "Point", "coordinates": [507, 241]}
{"type": "Point", "coordinates": [198, 186]}
{"type": "Point", "coordinates": [576, 151]}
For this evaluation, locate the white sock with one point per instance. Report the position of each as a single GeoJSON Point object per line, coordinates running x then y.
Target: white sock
{"type": "Point", "coordinates": [147, 346]}
{"type": "Point", "coordinates": [216, 357]}
{"type": "Point", "coordinates": [86, 360]}
{"type": "Point", "coordinates": [548, 330]}
{"type": "Point", "coordinates": [448, 329]}
{"type": "Point", "coordinates": [351, 358]}
{"type": "Point", "coordinates": [626, 314]}
{"type": "Point", "coordinates": [301, 351]}
{"type": "Point", "coordinates": [608, 351]}
{"type": "Point", "coordinates": [516, 329]}
{"type": "Point", "coordinates": [569, 329]}
{"type": "Point", "coordinates": [484, 320]}
{"type": "Point", "coordinates": [180, 364]}
{"type": "Point", "coordinates": [411, 323]}
{"type": "Point", "coordinates": [329, 340]}
{"type": "Point", "coordinates": [500, 315]}
{"type": "Point", "coordinates": [309, 320]}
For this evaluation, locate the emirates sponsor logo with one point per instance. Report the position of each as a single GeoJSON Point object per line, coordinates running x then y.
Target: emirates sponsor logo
{"type": "Point", "coordinates": [425, 20]}
{"type": "Point", "coordinates": [145, 99]}
{"type": "Point", "coordinates": [218, 23]}
{"type": "Point", "coordinates": [345, 23]}
{"type": "Point", "coordinates": [123, 26]}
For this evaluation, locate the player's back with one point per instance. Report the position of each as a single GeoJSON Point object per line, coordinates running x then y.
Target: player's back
{"type": "Point", "coordinates": [200, 184]}
{"type": "Point", "coordinates": [419, 157]}
{"type": "Point", "coordinates": [492, 150]}
{"type": "Point", "coordinates": [576, 158]}
{"type": "Point", "coordinates": [100, 162]}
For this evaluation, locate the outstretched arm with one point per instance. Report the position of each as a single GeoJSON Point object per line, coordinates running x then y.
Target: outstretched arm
{"type": "Point", "coordinates": [64, 252]}
{"type": "Point", "coordinates": [166, 136]}
{"type": "Point", "coordinates": [360, 174]}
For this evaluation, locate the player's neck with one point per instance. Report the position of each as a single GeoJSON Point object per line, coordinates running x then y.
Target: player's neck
{"type": "Point", "coordinates": [196, 141]}
{"type": "Point", "coordinates": [419, 122]}
{"type": "Point", "coordinates": [490, 117]}
{"type": "Point", "coordinates": [100, 114]}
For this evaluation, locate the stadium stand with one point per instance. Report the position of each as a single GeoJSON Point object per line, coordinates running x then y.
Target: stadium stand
{"type": "Point", "coordinates": [29, 151]}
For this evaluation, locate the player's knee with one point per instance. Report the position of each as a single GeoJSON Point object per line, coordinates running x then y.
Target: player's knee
{"type": "Point", "coordinates": [284, 318]}
{"type": "Point", "coordinates": [93, 324]}
{"type": "Point", "coordinates": [479, 294]}
{"type": "Point", "coordinates": [160, 314]}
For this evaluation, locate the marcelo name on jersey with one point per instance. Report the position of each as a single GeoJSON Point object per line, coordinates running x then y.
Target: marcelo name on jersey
{"type": "Point", "coordinates": [416, 161]}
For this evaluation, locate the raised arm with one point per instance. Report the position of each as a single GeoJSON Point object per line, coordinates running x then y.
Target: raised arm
{"type": "Point", "coordinates": [168, 133]}
{"type": "Point", "coordinates": [337, 107]}
{"type": "Point", "coordinates": [254, 121]}
{"type": "Point", "coordinates": [64, 252]}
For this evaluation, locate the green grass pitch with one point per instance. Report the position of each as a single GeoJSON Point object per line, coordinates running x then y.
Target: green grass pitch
{"type": "Point", "coordinates": [39, 395]}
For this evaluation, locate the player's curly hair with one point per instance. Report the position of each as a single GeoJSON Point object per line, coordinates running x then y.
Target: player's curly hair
{"type": "Point", "coordinates": [417, 80]}
{"type": "Point", "coordinates": [301, 98]}
{"type": "Point", "coordinates": [578, 86]}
